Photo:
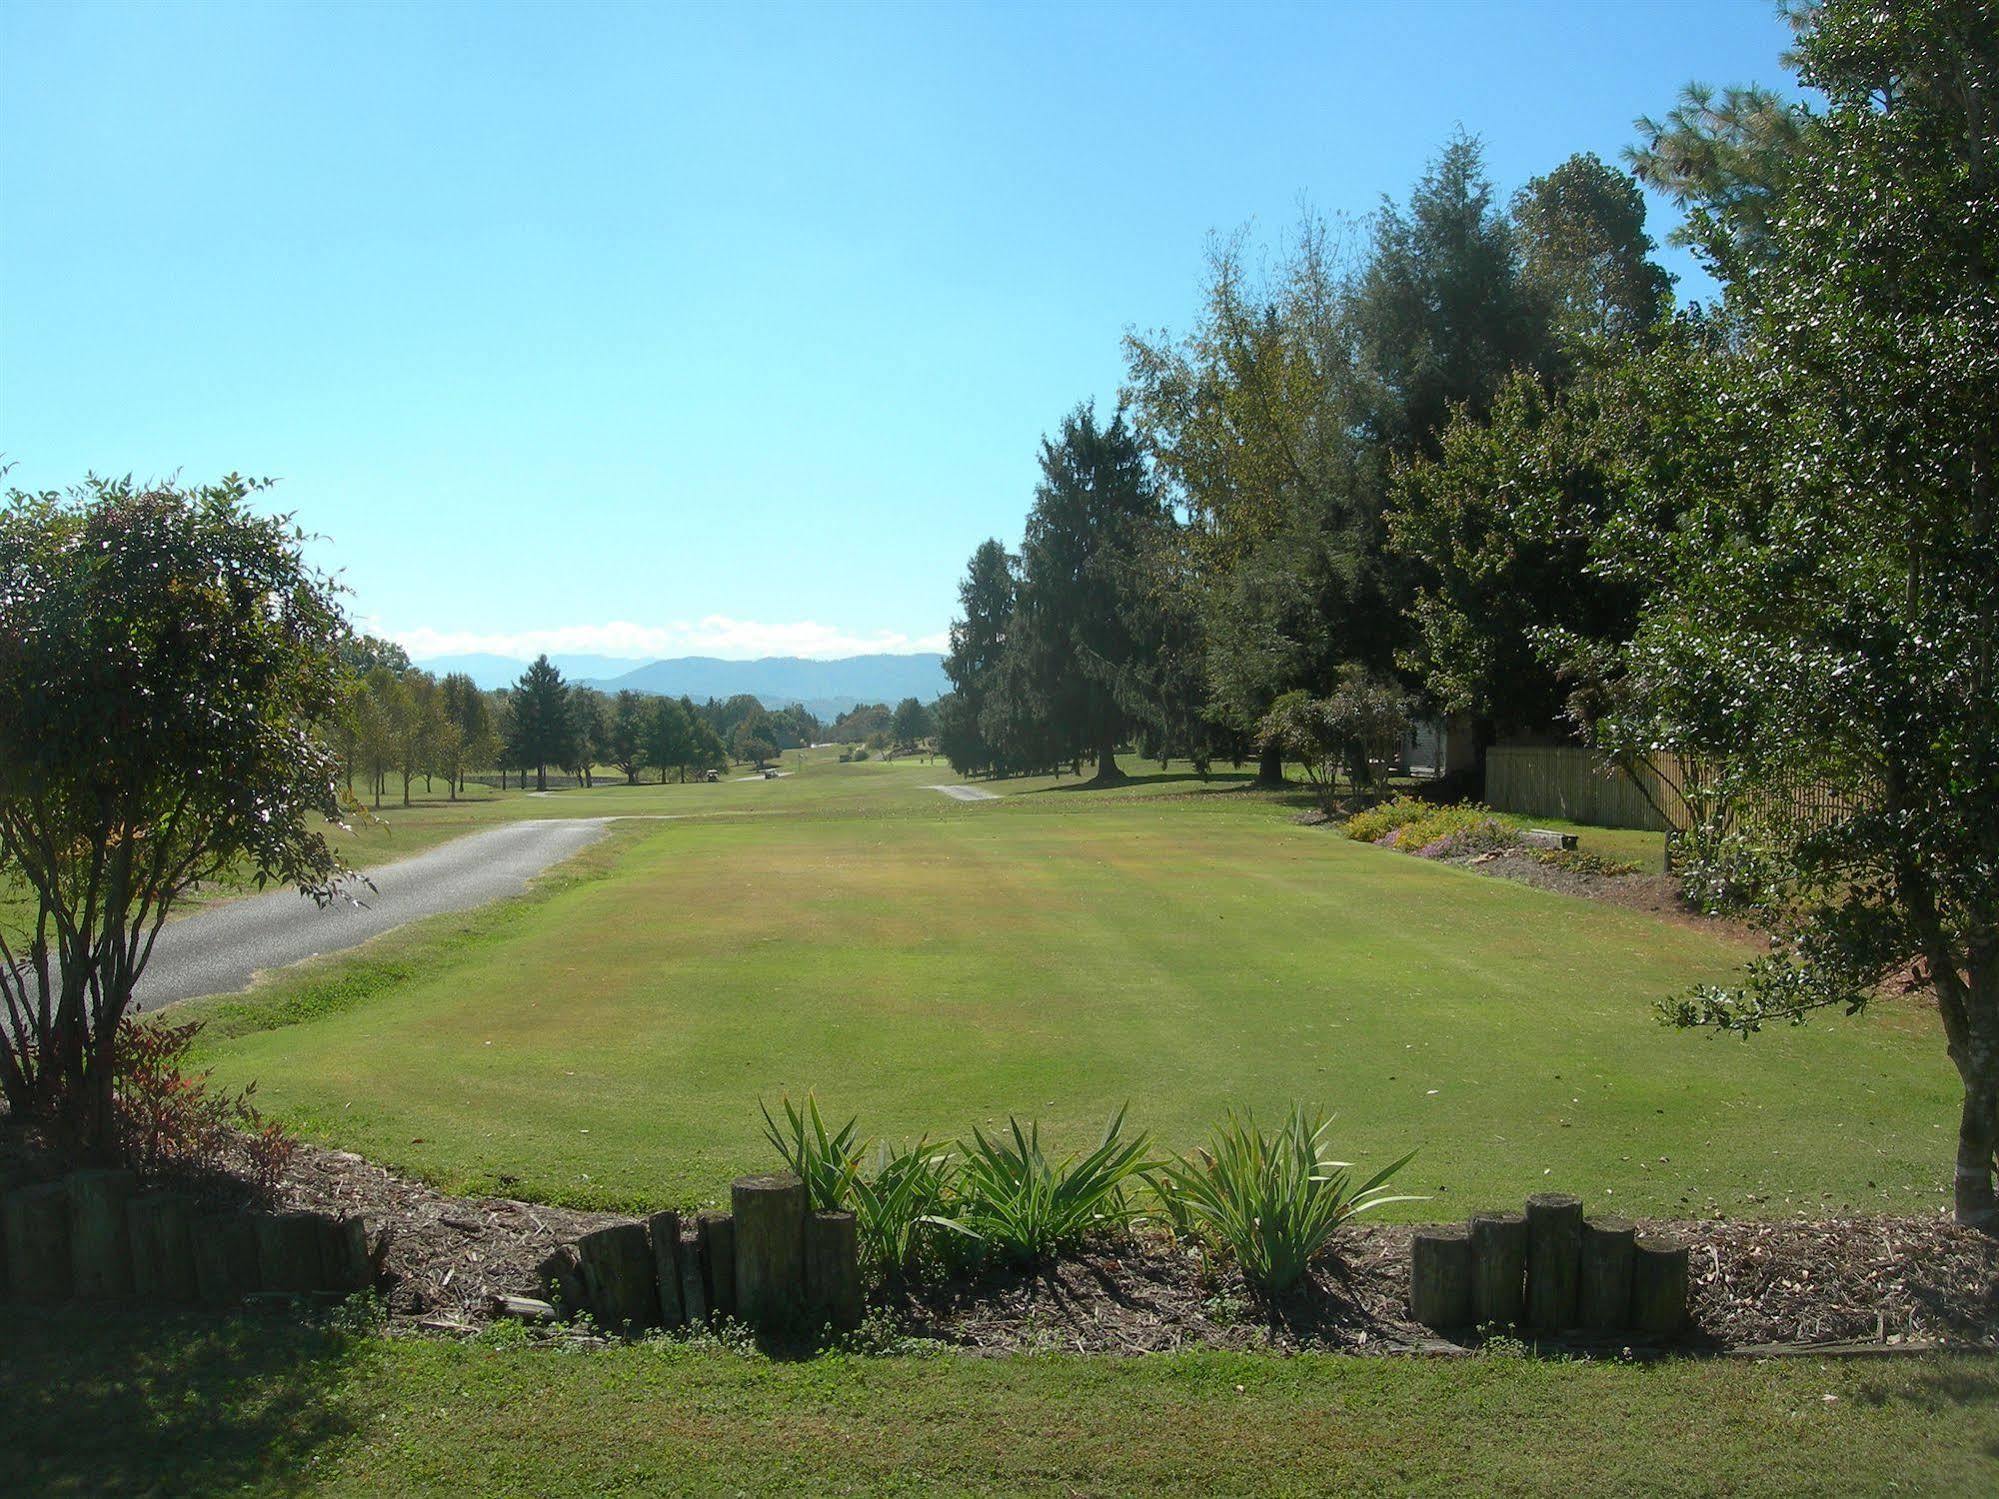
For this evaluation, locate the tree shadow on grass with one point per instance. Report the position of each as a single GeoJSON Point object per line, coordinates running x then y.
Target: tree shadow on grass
{"type": "Point", "coordinates": [1233, 780]}
{"type": "Point", "coordinates": [117, 1403]}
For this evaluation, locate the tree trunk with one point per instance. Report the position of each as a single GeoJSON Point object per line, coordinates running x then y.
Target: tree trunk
{"type": "Point", "coordinates": [1977, 1132]}
{"type": "Point", "coordinates": [1107, 768]}
{"type": "Point", "coordinates": [541, 778]}
{"type": "Point", "coordinates": [1270, 768]}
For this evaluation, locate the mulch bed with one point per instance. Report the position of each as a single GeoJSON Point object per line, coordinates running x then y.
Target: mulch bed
{"type": "Point", "coordinates": [1886, 1281]}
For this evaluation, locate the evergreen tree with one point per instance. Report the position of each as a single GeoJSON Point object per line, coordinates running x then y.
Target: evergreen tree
{"type": "Point", "coordinates": [978, 644]}
{"type": "Point", "coordinates": [1095, 513]}
{"type": "Point", "coordinates": [542, 731]}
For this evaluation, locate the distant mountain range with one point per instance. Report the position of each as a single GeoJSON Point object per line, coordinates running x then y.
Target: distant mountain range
{"type": "Point", "coordinates": [825, 688]}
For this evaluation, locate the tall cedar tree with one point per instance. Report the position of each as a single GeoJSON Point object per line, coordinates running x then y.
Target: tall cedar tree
{"type": "Point", "coordinates": [1095, 512]}
{"type": "Point", "coordinates": [978, 645]}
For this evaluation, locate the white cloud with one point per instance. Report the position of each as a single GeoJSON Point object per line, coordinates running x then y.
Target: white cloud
{"type": "Point", "coordinates": [714, 635]}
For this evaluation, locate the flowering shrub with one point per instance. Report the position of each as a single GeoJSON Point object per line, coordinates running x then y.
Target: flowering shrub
{"type": "Point", "coordinates": [170, 1122]}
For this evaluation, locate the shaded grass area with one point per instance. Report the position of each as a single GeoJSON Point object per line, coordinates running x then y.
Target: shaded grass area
{"type": "Point", "coordinates": [933, 965]}
{"type": "Point", "coordinates": [198, 1407]}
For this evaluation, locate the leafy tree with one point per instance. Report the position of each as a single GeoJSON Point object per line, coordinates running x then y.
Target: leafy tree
{"type": "Point", "coordinates": [361, 654]}
{"type": "Point", "coordinates": [912, 724]}
{"type": "Point", "coordinates": [1586, 268]}
{"type": "Point", "coordinates": [669, 731]}
{"type": "Point", "coordinates": [542, 732]}
{"type": "Point", "coordinates": [1257, 422]}
{"type": "Point", "coordinates": [1828, 617]}
{"type": "Point", "coordinates": [589, 732]}
{"type": "Point", "coordinates": [376, 708]}
{"type": "Point", "coordinates": [753, 742]}
{"type": "Point", "coordinates": [1361, 722]}
{"type": "Point", "coordinates": [416, 716]}
{"type": "Point", "coordinates": [168, 662]}
{"type": "Point", "coordinates": [466, 737]}
{"type": "Point", "coordinates": [628, 738]}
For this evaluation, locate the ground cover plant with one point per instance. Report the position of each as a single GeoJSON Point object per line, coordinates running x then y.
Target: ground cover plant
{"type": "Point", "coordinates": [1272, 1200]}
{"type": "Point", "coordinates": [604, 1041]}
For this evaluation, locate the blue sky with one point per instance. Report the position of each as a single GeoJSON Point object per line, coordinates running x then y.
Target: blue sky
{"type": "Point", "coordinates": [658, 330]}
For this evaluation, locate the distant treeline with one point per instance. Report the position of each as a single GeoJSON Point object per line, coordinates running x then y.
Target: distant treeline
{"type": "Point", "coordinates": [399, 723]}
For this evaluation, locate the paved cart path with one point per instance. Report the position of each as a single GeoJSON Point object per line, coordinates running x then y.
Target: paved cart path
{"type": "Point", "coordinates": [220, 950]}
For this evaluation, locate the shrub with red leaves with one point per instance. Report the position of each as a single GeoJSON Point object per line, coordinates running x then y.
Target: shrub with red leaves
{"type": "Point", "coordinates": [172, 1123]}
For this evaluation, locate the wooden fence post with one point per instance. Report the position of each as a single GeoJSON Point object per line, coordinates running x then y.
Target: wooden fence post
{"type": "Point", "coordinates": [288, 1253]}
{"type": "Point", "coordinates": [770, 1249]}
{"type": "Point", "coordinates": [663, 1229]}
{"type": "Point", "coordinates": [225, 1258]}
{"type": "Point", "coordinates": [1499, 1268]}
{"type": "Point", "coordinates": [619, 1277]}
{"type": "Point", "coordinates": [161, 1226]}
{"type": "Point", "coordinates": [345, 1267]}
{"type": "Point", "coordinates": [716, 1232]}
{"type": "Point", "coordinates": [833, 1270]}
{"type": "Point", "coordinates": [1440, 1275]}
{"type": "Point", "coordinates": [100, 1248]}
{"type": "Point", "coordinates": [1658, 1286]}
{"type": "Point", "coordinates": [1605, 1289]}
{"type": "Point", "coordinates": [37, 1229]}
{"type": "Point", "coordinates": [1554, 1260]}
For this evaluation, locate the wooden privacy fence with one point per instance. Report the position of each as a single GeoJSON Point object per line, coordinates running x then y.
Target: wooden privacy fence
{"type": "Point", "coordinates": [1578, 785]}
{"type": "Point", "coordinates": [1664, 795]}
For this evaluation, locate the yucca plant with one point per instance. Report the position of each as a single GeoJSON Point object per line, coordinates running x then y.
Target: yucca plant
{"type": "Point", "coordinates": [1022, 1206]}
{"type": "Point", "coordinates": [1272, 1201]}
{"type": "Point", "coordinates": [827, 1161]}
{"type": "Point", "coordinates": [905, 1190]}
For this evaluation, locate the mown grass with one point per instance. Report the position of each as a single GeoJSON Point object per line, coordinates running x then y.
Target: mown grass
{"type": "Point", "coordinates": [935, 965]}
{"type": "Point", "coordinates": [196, 1407]}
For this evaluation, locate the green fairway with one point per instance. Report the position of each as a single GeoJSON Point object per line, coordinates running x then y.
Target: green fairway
{"type": "Point", "coordinates": [934, 965]}
{"type": "Point", "coordinates": [257, 1407]}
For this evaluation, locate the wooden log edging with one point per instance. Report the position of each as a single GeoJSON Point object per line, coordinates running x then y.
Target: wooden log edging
{"type": "Point", "coordinates": [96, 1236]}
{"type": "Point", "coordinates": [1550, 1270]}
{"type": "Point", "coordinates": [778, 1268]}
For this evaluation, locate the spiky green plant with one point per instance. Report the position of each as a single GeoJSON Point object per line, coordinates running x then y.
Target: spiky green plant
{"type": "Point", "coordinates": [1022, 1206]}
{"type": "Point", "coordinates": [827, 1161]}
{"type": "Point", "coordinates": [905, 1190]}
{"type": "Point", "coordinates": [1271, 1200]}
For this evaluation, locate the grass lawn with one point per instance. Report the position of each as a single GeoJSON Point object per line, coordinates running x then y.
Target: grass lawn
{"type": "Point", "coordinates": [933, 965]}
{"type": "Point", "coordinates": [188, 1407]}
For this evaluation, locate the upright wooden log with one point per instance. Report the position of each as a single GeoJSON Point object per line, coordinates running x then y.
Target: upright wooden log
{"type": "Point", "coordinates": [717, 1234]}
{"type": "Point", "coordinates": [1440, 1275]}
{"type": "Point", "coordinates": [693, 1281]}
{"type": "Point", "coordinates": [37, 1232]}
{"type": "Point", "coordinates": [289, 1258]}
{"type": "Point", "coordinates": [1499, 1268]}
{"type": "Point", "coordinates": [562, 1277]}
{"type": "Point", "coordinates": [161, 1226]}
{"type": "Point", "coordinates": [833, 1271]}
{"type": "Point", "coordinates": [100, 1249]}
{"type": "Point", "coordinates": [770, 1250]}
{"type": "Point", "coordinates": [663, 1230]}
{"type": "Point", "coordinates": [225, 1258]}
{"type": "Point", "coordinates": [1554, 1260]}
{"type": "Point", "coordinates": [1604, 1292]}
{"type": "Point", "coordinates": [345, 1267]}
{"type": "Point", "coordinates": [1658, 1286]}
{"type": "Point", "coordinates": [619, 1278]}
